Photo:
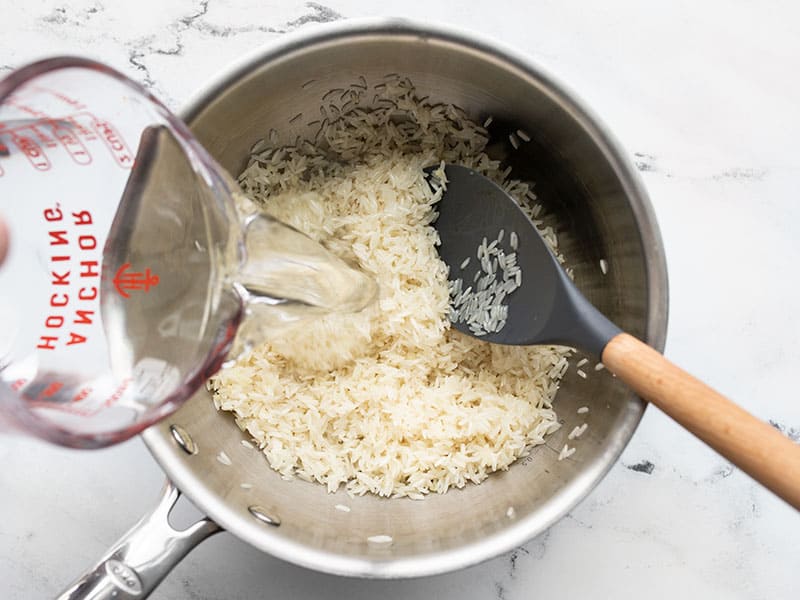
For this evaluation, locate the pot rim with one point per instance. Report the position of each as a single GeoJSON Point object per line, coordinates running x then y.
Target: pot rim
{"type": "Point", "coordinates": [521, 530]}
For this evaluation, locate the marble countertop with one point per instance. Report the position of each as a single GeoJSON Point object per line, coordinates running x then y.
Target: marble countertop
{"type": "Point", "coordinates": [704, 97]}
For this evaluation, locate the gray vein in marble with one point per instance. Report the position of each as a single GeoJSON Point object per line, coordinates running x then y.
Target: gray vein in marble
{"type": "Point", "coordinates": [57, 17]}
{"type": "Point", "coordinates": [190, 19]}
{"type": "Point", "coordinates": [64, 15]}
{"type": "Point", "coordinates": [512, 560]}
{"type": "Point", "coordinates": [135, 58]}
{"type": "Point", "coordinates": [537, 548]}
{"type": "Point", "coordinates": [141, 48]}
{"type": "Point", "coordinates": [793, 433]}
{"type": "Point", "coordinates": [500, 590]}
{"type": "Point", "coordinates": [228, 31]}
{"type": "Point", "coordinates": [579, 522]}
{"type": "Point", "coordinates": [722, 473]}
{"type": "Point", "coordinates": [742, 519]}
{"type": "Point", "coordinates": [647, 163]}
{"type": "Point", "coordinates": [741, 173]}
{"type": "Point", "coordinates": [190, 591]}
{"type": "Point", "coordinates": [643, 466]}
{"type": "Point", "coordinates": [318, 14]}
{"type": "Point", "coordinates": [644, 162]}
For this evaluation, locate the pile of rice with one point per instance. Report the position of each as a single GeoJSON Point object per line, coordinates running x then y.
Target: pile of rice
{"type": "Point", "coordinates": [390, 401]}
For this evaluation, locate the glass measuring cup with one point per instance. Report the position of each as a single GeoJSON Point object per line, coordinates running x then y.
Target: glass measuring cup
{"type": "Point", "coordinates": [132, 261]}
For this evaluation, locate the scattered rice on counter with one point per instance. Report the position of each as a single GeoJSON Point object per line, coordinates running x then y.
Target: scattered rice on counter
{"type": "Point", "coordinates": [390, 401]}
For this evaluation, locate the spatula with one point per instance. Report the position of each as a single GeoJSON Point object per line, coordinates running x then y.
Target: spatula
{"type": "Point", "coordinates": [548, 308]}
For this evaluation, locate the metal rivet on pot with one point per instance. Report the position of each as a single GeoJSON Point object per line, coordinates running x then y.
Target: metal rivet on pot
{"type": "Point", "coordinates": [183, 439]}
{"type": "Point", "coordinates": [261, 514]}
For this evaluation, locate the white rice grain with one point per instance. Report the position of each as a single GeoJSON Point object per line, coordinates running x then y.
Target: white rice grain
{"type": "Point", "coordinates": [380, 539]}
{"type": "Point", "coordinates": [577, 431]}
{"type": "Point", "coordinates": [566, 452]}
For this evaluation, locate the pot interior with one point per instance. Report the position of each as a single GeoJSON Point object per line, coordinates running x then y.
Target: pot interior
{"type": "Point", "coordinates": [599, 211]}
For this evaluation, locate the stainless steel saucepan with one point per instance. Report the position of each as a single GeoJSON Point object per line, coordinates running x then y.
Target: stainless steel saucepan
{"type": "Point", "coordinates": [601, 211]}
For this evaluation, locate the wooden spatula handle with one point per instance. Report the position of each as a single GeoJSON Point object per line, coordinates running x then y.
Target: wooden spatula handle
{"type": "Point", "coordinates": [757, 448]}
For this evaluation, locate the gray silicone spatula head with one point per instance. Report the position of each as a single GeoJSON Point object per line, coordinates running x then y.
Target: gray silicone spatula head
{"type": "Point", "coordinates": [547, 307]}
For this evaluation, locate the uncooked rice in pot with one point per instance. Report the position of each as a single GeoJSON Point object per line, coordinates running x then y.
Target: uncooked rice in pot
{"type": "Point", "coordinates": [578, 431]}
{"type": "Point", "coordinates": [566, 452]}
{"type": "Point", "coordinates": [380, 539]}
{"type": "Point", "coordinates": [390, 401]}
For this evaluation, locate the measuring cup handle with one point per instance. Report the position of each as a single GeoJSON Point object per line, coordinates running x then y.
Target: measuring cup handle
{"type": "Point", "coordinates": [141, 559]}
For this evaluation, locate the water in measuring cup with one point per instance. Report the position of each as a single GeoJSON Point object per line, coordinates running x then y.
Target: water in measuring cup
{"type": "Point", "coordinates": [134, 333]}
{"type": "Point", "coordinates": [193, 255]}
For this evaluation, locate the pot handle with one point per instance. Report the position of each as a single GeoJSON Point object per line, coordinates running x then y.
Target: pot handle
{"type": "Point", "coordinates": [141, 558]}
